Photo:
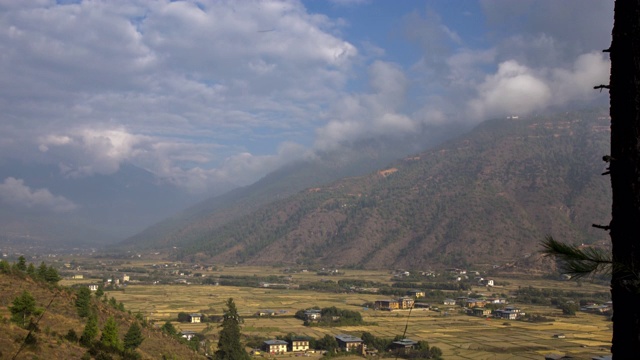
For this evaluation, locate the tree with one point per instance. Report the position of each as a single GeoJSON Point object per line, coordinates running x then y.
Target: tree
{"type": "Point", "coordinates": [328, 343]}
{"type": "Point", "coordinates": [229, 346]}
{"type": "Point", "coordinates": [624, 169]}
{"type": "Point", "coordinates": [435, 353]}
{"type": "Point", "coordinates": [41, 273]}
{"type": "Point", "coordinates": [71, 336]}
{"type": "Point", "coordinates": [31, 270]}
{"type": "Point", "coordinates": [90, 330]}
{"type": "Point", "coordinates": [183, 317]}
{"type": "Point", "coordinates": [109, 336]}
{"type": "Point", "coordinates": [83, 302]}
{"type": "Point", "coordinates": [133, 338]}
{"type": "Point", "coordinates": [99, 292]}
{"type": "Point", "coordinates": [5, 268]}
{"type": "Point", "coordinates": [22, 264]}
{"type": "Point", "coordinates": [51, 276]}
{"type": "Point", "coordinates": [169, 329]}
{"type": "Point", "coordinates": [24, 306]}
{"type": "Point", "coordinates": [569, 308]}
{"type": "Point", "coordinates": [194, 343]}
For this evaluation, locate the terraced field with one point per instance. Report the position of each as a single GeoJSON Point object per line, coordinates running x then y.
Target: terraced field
{"type": "Point", "coordinates": [459, 336]}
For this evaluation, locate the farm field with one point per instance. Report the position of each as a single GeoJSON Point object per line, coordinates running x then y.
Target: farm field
{"type": "Point", "coordinates": [459, 336]}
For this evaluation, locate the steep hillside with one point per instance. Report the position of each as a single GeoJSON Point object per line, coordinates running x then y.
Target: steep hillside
{"type": "Point", "coordinates": [204, 217]}
{"type": "Point", "coordinates": [487, 197]}
{"type": "Point", "coordinates": [60, 317]}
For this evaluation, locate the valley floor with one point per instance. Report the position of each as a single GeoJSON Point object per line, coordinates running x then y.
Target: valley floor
{"type": "Point", "coordinates": [460, 336]}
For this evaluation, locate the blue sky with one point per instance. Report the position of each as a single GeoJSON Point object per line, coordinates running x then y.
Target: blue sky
{"type": "Point", "coordinates": [210, 92]}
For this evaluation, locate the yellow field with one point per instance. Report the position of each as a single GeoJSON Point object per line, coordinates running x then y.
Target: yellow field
{"type": "Point", "coordinates": [458, 335]}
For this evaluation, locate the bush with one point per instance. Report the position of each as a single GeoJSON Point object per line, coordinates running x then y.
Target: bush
{"type": "Point", "coordinates": [569, 308]}
{"type": "Point", "coordinates": [72, 336]}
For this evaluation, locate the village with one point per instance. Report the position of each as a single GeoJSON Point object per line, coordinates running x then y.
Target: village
{"type": "Point", "coordinates": [449, 293]}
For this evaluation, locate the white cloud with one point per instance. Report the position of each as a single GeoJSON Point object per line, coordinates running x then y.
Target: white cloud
{"type": "Point", "coordinates": [15, 192]}
{"type": "Point", "coordinates": [239, 170]}
{"type": "Point", "coordinates": [513, 89]}
{"type": "Point", "coordinates": [164, 85]}
{"type": "Point", "coordinates": [530, 57]}
{"type": "Point", "coordinates": [372, 115]}
{"type": "Point", "coordinates": [92, 151]}
{"type": "Point", "coordinates": [557, 31]}
{"type": "Point", "coordinates": [189, 90]}
{"type": "Point", "coordinates": [577, 82]}
{"type": "Point", "coordinates": [518, 89]}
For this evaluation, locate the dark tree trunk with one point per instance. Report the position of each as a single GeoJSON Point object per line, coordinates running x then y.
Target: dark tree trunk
{"type": "Point", "coordinates": [625, 179]}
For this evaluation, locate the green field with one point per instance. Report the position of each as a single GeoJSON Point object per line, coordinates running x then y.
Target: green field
{"type": "Point", "coordinates": [459, 336]}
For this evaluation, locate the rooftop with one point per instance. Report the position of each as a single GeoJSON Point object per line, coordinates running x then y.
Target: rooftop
{"type": "Point", "coordinates": [405, 342]}
{"type": "Point", "coordinates": [348, 338]}
{"type": "Point", "coordinates": [275, 342]}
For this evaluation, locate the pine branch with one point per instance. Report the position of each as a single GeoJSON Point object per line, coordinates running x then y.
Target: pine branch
{"type": "Point", "coordinates": [577, 262]}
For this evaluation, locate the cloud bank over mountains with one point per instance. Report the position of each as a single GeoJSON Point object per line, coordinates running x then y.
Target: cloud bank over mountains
{"type": "Point", "coordinates": [15, 192]}
{"type": "Point", "coordinates": [211, 92]}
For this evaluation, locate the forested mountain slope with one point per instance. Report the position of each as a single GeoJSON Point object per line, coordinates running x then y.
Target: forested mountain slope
{"type": "Point", "coordinates": [487, 197]}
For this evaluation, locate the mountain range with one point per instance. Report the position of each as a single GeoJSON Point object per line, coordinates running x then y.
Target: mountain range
{"type": "Point", "coordinates": [104, 209]}
{"type": "Point", "coordinates": [487, 197]}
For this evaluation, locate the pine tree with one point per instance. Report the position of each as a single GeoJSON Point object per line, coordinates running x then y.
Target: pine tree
{"type": "Point", "coordinates": [90, 330]}
{"type": "Point", "coordinates": [41, 273]}
{"type": "Point", "coordinates": [5, 268]}
{"type": "Point", "coordinates": [22, 264]}
{"type": "Point", "coordinates": [31, 270]}
{"type": "Point", "coordinates": [169, 329]}
{"type": "Point", "coordinates": [24, 306]}
{"type": "Point", "coordinates": [51, 276]}
{"type": "Point", "coordinates": [109, 336]}
{"type": "Point", "coordinates": [83, 302]}
{"type": "Point", "coordinates": [133, 338]}
{"type": "Point", "coordinates": [229, 346]}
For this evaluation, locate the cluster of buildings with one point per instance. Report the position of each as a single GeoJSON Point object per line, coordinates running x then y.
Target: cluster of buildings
{"type": "Point", "coordinates": [403, 303]}
{"type": "Point", "coordinates": [345, 343]}
{"type": "Point", "coordinates": [312, 315]}
{"type": "Point", "coordinates": [113, 282]}
{"type": "Point", "coordinates": [269, 312]}
{"type": "Point", "coordinates": [476, 307]}
{"type": "Point", "coordinates": [281, 346]}
{"type": "Point", "coordinates": [594, 308]}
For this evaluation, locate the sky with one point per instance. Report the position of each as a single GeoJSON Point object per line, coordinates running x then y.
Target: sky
{"type": "Point", "coordinates": [202, 93]}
